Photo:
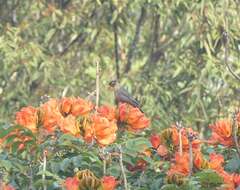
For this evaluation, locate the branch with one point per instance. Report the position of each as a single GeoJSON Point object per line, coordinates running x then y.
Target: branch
{"type": "Point", "coordinates": [1, 181]}
{"type": "Point", "coordinates": [122, 167]}
{"type": "Point", "coordinates": [44, 170]}
{"type": "Point", "coordinates": [155, 55]}
{"type": "Point", "coordinates": [225, 40]}
{"type": "Point", "coordinates": [80, 38]}
{"type": "Point", "coordinates": [190, 159]}
{"type": "Point", "coordinates": [97, 85]}
{"type": "Point", "coordinates": [30, 177]}
{"type": "Point", "coordinates": [135, 39]}
{"type": "Point", "coordinates": [191, 137]}
{"type": "Point", "coordinates": [102, 155]}
{"type": "Point", "coordinates": [116, 46]}
{"type": "Point", "coordinates": [180, 127]}
{"type": "Point", "coordinates": [234, 132]}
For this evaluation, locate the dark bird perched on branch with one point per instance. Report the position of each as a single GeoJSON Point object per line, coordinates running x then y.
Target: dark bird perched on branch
{"type": "Point", "coordinates": [122, 95]}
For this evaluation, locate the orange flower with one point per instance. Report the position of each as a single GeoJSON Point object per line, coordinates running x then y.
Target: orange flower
{"type": "Point", "coordinates": [19, 137]}
{"type": "Point", "coordinates": [181, 165]}
{"type": "Point", "coordinates": [185, 143]}
{"type": "Point", "coordinates": [216, 161]}
{"type": "Point", "coordinates": [147, 152]}
{"type": "Point", "coordinates": [222, 132]}
{"type": "Point", "coordinates": [8, 187]}
{"type": "Point", "coordinates": [140, 124]}
{"type": "Point", "coordinates": [21, 146]}
{"type": "Point", "coordinates": [109, 183]}
{"type": "Point", "coordinates": [175, 137]}
{"type": "Point", "coordinates": [88, 134]}
{"type": "Point", "coordinates": [139, 166]}
{"type": "Point", "coordinates": [155, 140]}
{"type": "Point", "coordinates": [104, 130]}
{"type": "Point", "coordinates": [50, 115]}
{"type": "Point", "coordinates": [108, 112]}
{"type": "Point", "coordinates": [123, 111]}
{"type": "Point", "coordinates": [133, 117]}
{"type": "Point", "coordinates": [162, 150]}
{"type": "Point", "coordinates": [81, 107]}
{"type": "Point", "coordinates": [69, 125]}
{"type": "Point", "coordinates": [71, 183]}
{"type": "Point", "coordinates": [198, 160]}
{"type": "Point", "coordinates": [236, 179]}
{"type": "Point", "coordinates": [28, 117]}
{"type": "Point", "coordinates": [66, 105]}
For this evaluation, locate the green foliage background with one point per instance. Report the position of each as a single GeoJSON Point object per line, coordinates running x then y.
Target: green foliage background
{"type": "Point", "coordinates": [175, 49]}
{"type": "Point", "coordinates": [168, 54]}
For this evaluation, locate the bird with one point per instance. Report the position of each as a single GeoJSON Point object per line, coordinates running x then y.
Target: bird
{"type": "Point", "coordinates": [122, 95]}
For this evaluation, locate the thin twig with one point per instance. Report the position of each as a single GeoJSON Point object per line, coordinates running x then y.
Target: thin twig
{"type": "Point", "coordinates": [44, 170]}
{"type": "Point", "coordinates": [180, 127]}
{"type": "Point", "coordinates": [30, 178]}
{"type": "Point", "coordinates": [104, 167]}
{"type": "Point", "coordinates": [97, 85]}
{"type": "Point", "coordinates": [103, 158]}
{"type": "Point", "coordinates": [79, 38]}
{"type": "Point", "coordinates": [190, 159]}
{"type": "Point", "coordinates": [1, 181]}
{"type": "Point", "coordinates": [122, 167]}
{"type": "Point", "coordinates": [180, 142]}
{"type": "Point", "coordinates": [225, 41]}
{"type": "Point", "coordinates": [191, 137]}
{"type": "Point", "coordinates": [133, 45]}
{"type": "Point", "coordinates": [65, 90]}
{"type": "Point", "coordinates": [116, 45]}
{"type": "Point", "coordinates": [234, 132]}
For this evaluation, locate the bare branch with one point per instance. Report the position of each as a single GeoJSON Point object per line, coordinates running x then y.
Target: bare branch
{"type": "Point", "coordinates": [234, 132]}
{"type": "Point", "coordinates": [225, 41]}
{"type": "Point", "coordinates": [97, 85]}
{"type": "Point", "coordinates": [191, 137]}
{"type": "Point", "coordinates": [122, 167]}
{"type": "Point", "coordinates": [116, 46]}
{"type": "Point", "coordinates": [180, 127]}
{"type": "Point", "coordinates": [135, 39]}
{"type": "Point", "coordinates": [44, 170]}
{"type": "Point", "coordinates": [80, 38]}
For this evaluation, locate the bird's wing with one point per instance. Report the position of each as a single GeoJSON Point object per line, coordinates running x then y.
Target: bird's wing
{"type": "Point", "coordinates": [126, 97]}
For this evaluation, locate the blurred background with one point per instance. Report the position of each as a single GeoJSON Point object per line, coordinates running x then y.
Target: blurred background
{"type": "Point", "coordinates": [173, 56]}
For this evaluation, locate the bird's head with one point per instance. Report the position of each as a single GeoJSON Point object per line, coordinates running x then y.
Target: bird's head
{"type": "Point", "coordinates": [113, 84]}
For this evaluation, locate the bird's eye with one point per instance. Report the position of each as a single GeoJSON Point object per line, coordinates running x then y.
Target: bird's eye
{"type": "Point", "coordinates": [112, 83]}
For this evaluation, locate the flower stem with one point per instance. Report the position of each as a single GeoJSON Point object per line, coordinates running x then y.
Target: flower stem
{"type": "Point", "coordinates": [180, 142]}
{"type": "Point", "coordinates": [190, 159]}
{"type": "Point", "coordinates": [122, 167]}
{"type": "Point", "coordinates": [44, 170]}
{"type": "Point", "coordinates": [97, 85]}
{"type": "Point", "coordinates": [180, 127]}
{"type": "Point", "coordinates": [234, 132]}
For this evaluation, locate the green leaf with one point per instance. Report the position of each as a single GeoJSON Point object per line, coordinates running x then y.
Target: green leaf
{"type": "Point", "coordinates": [233, 164]}
{"type": "Point", "coordinates": [209, 178]}
{"type": "Point", "coordinates": [169, 187]}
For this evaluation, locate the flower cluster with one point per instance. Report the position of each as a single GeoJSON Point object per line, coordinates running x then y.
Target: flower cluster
{"type": "Point", "coordinates": [222, 132]}
{"type": "Point", "coordinates": [134, 118]}
{"type": "Point", "coordinates": [167, 144]}
{"type": "Point", "coordinates": [78, 117]}
{"type": "Point", "coordinates": [85, 179]}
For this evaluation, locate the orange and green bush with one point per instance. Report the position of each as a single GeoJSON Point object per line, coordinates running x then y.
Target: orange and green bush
{"type": "Point", "coordinates": [179, 58]}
